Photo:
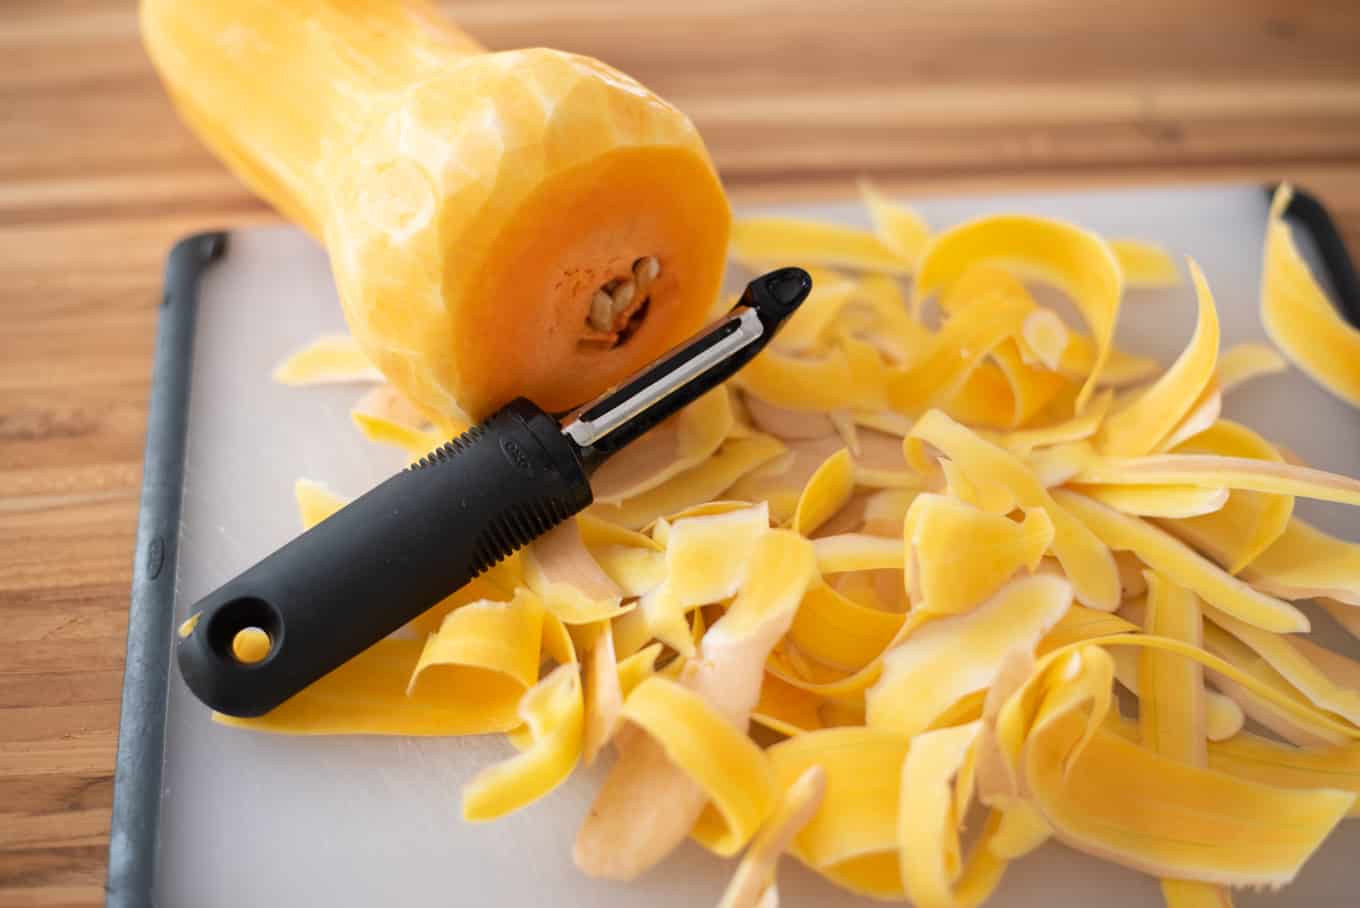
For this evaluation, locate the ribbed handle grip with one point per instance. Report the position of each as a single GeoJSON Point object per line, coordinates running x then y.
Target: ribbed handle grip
{"type": "Point", "coordinates": [385, 558]}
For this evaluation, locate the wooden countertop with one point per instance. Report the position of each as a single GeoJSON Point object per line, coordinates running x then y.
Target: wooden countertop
{"type": "Point", "coordinates": [97, 180]}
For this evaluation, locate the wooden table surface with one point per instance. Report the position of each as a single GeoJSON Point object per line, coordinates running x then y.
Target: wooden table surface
{"type": "Point", "coordinates": [97, 180]}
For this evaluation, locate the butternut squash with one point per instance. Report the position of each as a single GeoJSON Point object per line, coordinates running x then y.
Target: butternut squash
{"type": "Point", "coordinates": [526, 222]}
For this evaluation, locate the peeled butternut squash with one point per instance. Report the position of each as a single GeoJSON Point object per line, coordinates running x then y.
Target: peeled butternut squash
{"type": "Point", "coordinates": [486, 214]}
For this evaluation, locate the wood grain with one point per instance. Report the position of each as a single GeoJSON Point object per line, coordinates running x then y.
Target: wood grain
{"type": "Point", "coordinates": [97, 180]}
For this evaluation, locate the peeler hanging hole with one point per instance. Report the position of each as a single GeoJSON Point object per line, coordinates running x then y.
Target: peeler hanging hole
{"type": "Point", "coordinates": [246, 631]}
{"type": "Point", "coordinates": [251, 645]}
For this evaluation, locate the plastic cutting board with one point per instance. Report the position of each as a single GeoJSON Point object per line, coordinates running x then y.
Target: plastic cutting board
{"type": "Point", "coordinates": [231, 818]}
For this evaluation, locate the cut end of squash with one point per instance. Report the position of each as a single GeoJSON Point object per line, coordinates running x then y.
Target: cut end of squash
{"type": "Point", "coordinates": [526, 330]}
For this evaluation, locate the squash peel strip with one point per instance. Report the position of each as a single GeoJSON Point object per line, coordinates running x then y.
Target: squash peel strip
{"type": "Point", "coordinates": [1076, 261]}
{"type": "Point", "coordinates": [1241, 363]}
{"type": "Point", "coordinates": [1145, 265]}
{"type": "Point", "coordinates": [724, 680]}
{"type": "Point", "coordinates": [315, 502]}
{"type": "Point", "coordinates": [898, 227]}
{"type": "Point", "coordinates": [945, 659]}
{"type": "Point", "coordinates": [753, 884]}
{"type": "Point", "coordinates": [1244, 833]}
{"type": "Point", "coordinates": [1179, 563]}
{"type": "Point", "coordinates": [1173, 709]}
{"type": "Point", "coordinates": [933, 875]}
{"type": "Point", "coordinates": [1139, 427]}
{"type": "Point", "coordinates": [1086, 558]}
{"type": "Point", "coordinates": [553, 712]}
{"type": "Point", "coordinates": [764, 240]}
{"type": "Point", "coordinates": [1299, 318]}
{"type": "Point", "coordinates": [331, 359]}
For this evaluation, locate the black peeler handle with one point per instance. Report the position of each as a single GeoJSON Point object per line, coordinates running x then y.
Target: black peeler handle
{"type": "Point", "coordinates": [384, 559]}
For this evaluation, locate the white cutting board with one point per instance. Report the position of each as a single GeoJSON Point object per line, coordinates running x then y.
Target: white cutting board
{"type": "Point", "coordinates": [260, 820]}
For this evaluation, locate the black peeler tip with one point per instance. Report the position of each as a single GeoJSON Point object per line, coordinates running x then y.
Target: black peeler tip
{"type": "Point", "coordinates": [788, 286]}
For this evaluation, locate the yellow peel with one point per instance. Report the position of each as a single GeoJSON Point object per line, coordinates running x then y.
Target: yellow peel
{"type": "Point", "coordinates": [1176, 561]}
{"type": "Point", "coordinates": [1077, 775]}
{"type": "Point", "coordinates": [1032, 387]}
{"type": "Point", "coordinates": [1056, 465]}
{"type": "Point", "coordinates": [485, 637]}
{"type": "Point", "coordinates": [553, 713]}
{"type": "Point", "coordinates": [1306, 562]}
{"type": "Point", "coordinates": [637, 668]}
{"type": "Point", "coordinates": [895, 329]}
{"type": "Point", "coordinates": [316, 502]}
{"type": "Point", "coordinates": [1156, 500]}
{"type": "Point", "coordinates": [947, 658]}
{"type": "Point", "coordinates": [727, 765]}
{"type": "Point", "coordinates": [249, 645]}
{"type": "Point", "coordinates": [367, 696]}
{"type": "Point", "coordinates": [1171, 703]}
{"type": "Point", "coordinates": [1121, 368]}
{"type": "Point", "coordinates": [786, 424]}
{"type": "Point", "coordinates": [1203, 413]}
{"type": "Point", "coordinates": [1080, 624]}
{"type": "Point", "coordinates": [836, 631]}
{"type": "Point", "coordinates": [1269, 698]}
{"type": "Point", "coordinates": [1213, 471]}
{"type": "Point", "coordinates": [1045, 337]}
{"type": "Point", "coordinates": [568, 579]}
{"type": "Point", "coordinates": [1345, 615]}
{"type": "Point", "coordinates": [1076, 261]}
{"type": "Point", "coordinates": [1084, 557]}
{"type": "Point", "coordinates": [1276, 693]}
{"type": "Point", "coordinates": [857, 552]}
{"type": "Point", "coordinates": [810, 324]}
{"type": "Point", "coordinates": [707, 558]}
{"type": "Point", "coordinates": [332, 359]}
{"type": "Point", "coordinates": [619, 840]}
{"type": "Point", "coordinates": [1299, 318]}
{"type": "Point", "coordinates": [387, 402]}
{"type": "Point", "coordinates": [786, 709]}
{"type": "Point", "coordinates": [765, 241]}
{"type": "Point", "coordinates": [1249, 522]}
{"type": "Point", "coordinates": [1139, 427]}
{"type": "Point", "coordinates": [928, 821]}
{"type": "Point", "coordinates": [969, 334]}
{"type": "Point", "coordinates": [963, 554]}
{"type": "Point", "coordinates": [415, 442]}
{"type": "Point", "coordinates": [852, 838]}
{"type": "Point", "coordinates": [1079, 428]}
{"type": "Point", "coordinates": [1260, 759]}
{"type": "Point", "coordinates": [898, 227]}
{"type": "Point", "coordinates": [681, 443]}
{"type": "Point", "coordinates": [703, 483]}
{"type": "Point", "coordinates": [753, 885]}
{"type": "Point", "coordinates": [826, 492]}
{"type": "Point", "coordinates": [603, 694]}
{"type": "Point", "coordinates": [1145, 265]}
{"type": "Point", "coordinates": [885, 510]}
{"type": "Point", "coordinates": [826, 382]}
{"type": "Point", "coordinates": [1223, 717]}
{"type": "Point", "coordinates": [1020, 830]}
{"type": "Point", "coordinates": [1329, 680]}
{"type": "Point", "coordinates": [1243, 362]}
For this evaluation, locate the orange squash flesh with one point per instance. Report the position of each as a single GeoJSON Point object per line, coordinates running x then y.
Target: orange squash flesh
{"type": "Point", "coordinates": [472, 203]}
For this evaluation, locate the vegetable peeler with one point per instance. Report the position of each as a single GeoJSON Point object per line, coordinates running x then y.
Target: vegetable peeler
{"type": "Point", "coordinates": [399, 549]}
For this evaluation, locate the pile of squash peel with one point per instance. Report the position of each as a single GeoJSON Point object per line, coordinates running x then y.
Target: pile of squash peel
{"type": "Point", "coordinates": [892, 578]}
